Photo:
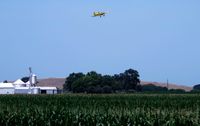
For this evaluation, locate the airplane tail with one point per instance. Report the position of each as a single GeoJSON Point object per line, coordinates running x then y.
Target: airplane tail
{"type": "Point", "coordinates": [94, 14]}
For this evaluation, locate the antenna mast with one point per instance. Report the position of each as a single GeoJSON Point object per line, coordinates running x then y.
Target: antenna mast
{"type": "Point", "coordinates": [30, 70]}
{"type": "Point", "coordinates": [30, 79]}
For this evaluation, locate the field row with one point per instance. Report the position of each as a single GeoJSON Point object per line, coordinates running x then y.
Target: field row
{"type": "Point", "coordinates": [90, 110]}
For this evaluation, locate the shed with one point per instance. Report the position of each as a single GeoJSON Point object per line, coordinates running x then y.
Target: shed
{"type": "Point", "coordinates": [48, 90]}
{"type": "Point", "coordinates": [6, 88]}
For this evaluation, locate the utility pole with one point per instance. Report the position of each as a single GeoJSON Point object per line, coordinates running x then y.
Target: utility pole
{"type": "Point", "coordinates": [167, 85]}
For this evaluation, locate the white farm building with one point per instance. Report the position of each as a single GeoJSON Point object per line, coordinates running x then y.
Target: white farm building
{"type": "Point", "coordinates": [7, 88]}
{"type": "Point", "coordinates": [29, 87]}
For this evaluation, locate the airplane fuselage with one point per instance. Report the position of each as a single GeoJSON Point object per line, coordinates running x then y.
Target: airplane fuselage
{"type": "Point", "coordinates": [95, 14]}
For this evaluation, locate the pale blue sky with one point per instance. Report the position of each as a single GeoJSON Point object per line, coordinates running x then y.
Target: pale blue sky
{"type": "Point", "coordinates": [159, 38]}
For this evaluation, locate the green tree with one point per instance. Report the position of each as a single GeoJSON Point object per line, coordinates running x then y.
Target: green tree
{"type": "Point", "coordinates": [110, 81]}
{"type": "Point", "coordinates": [5, 81]}
{"type": "Point", "coordinates": [87, 83]}
{"type": "Point", "coordinates": [71, 79]}
{"type": "Point", "coordinates": [196, 87]}
{"type": "Point", "coordinates": [107, 80]}
{"type": "Point", "coordinates": [25, 79]}
{"type": "Point", "coordinates": [79, 85]}
{"type": "Point", "coordinates": [94, 82]}
{"type": "Point", "coordinates": [152, 87]}
{"type": "Point", "coordinates": [93, 78]}
{"type": "Point", "coordinates": [129, 80]}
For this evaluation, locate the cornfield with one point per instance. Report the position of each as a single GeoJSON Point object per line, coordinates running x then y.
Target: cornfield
{"type": "Point", "coordinates": [100, 110]}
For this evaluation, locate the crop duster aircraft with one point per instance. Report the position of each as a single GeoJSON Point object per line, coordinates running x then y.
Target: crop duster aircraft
{"type": "Point", "coordinates": [95, 14]}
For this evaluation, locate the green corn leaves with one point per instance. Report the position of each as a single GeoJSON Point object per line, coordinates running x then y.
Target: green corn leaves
{"type": "Point", "coordinates": [100, 110]}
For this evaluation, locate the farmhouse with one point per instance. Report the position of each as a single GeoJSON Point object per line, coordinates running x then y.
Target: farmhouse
{"type": "Point", "coordinates": [28, 87]}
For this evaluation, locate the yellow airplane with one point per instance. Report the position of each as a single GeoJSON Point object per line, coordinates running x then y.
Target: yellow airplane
{"type": "Point", "coordinates": [95, 14]}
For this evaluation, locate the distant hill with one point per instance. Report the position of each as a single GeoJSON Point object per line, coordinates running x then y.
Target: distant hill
{"type": "Point", "coordinates": [171, 86]}
{"type": "Point", "coordinates": [58, 82]}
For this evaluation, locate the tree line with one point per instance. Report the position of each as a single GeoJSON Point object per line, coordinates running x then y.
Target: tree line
{"type": "Point", "coordinates": [128, 81]}
{"type": "Point", "coordinates": [93, 82]}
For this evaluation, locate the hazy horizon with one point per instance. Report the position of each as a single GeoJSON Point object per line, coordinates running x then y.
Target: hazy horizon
{"type": "Point", "coordinates": [159, 39]}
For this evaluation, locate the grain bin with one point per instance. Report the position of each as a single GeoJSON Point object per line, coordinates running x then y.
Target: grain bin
{"type": "Point", "coordinates": [33, 79]}
{"type": "Point", "coordinates": [35, 90]}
